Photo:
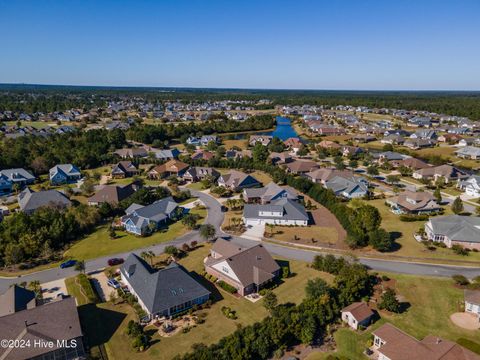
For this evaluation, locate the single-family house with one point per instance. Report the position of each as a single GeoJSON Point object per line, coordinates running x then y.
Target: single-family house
{"type": "Point", "coordinates": [322, 175]}
{"type": "Point", "coordinates": [349, 187]}
{"type": "Point", "coordinates": [418, 143]}
{"type": "Point", "coordinates": [393, 139]}
{"type": "Point", "coordinates": [411, 202]}
{"type": "Point", "coordinates": [265, 140]}
{"type": "Point", "coordinates": [131, 153]}
{"type": "Point", "coordinates": [206, 139]}
{"type": "Point", "coordinates": [29, 200]}
{"type": "Point", "coordinates": [357, 314]}
{"type": "Point", "coordinates": [162, 293]}
{"type": "Point", "coordinates": [327, 144]}
{"type": "Point", "coordinates": [301, 166]}
{"type": "Point", "coordinates": [166, 154]}
{"type": "Point", "coordinates": [246, 269]}
{"type": "Point", "coordinates": [294, 144]}
{"type": "Point", "coordinates": [418, 121]}
{"type": "Point", "coordinates": [18, 176]}
{"type": "Point", "coordinates": [124, 169]}
{"type": "Point", "coordinates": [280, 158]}
{"type": "Point", "coordinates": [472, 302]}
{"type": "Point", "coordinates": [64, 174]}
{"type": "Point", "coordinates": [141, 220]}
{"type": "Point", "coordinates": [112, 194]}
{"type": "Point", "coordinates": [172, 167]}
{"type": "Point", "coordinates": [454, 230]}
{"type": "Point", "coordinates": [468, 152]}
{"type": "Point", "coordinates": [237, 180]}
{"type": "Point", "coordinates": [391, 343]}
{"type": "Point", "coordinates": [16, 299]}
{"type": "Point", "coordinates": [387, 156]}
{"type": "Point", "coordinates": [6, 185]}
{"type": "Point", "coordinates": [447, 172]}
{"type": "Point", "coordinates": [450, 138]}
{"type": "Point", "coordinates": [56, 324]}
{"type": "Point", "coordinates": [424, 134]}
{"type": "Point", "coordinates": [283, 211]}
{"type": "Point", "coordinates": [197, 173]}
{"type": "Point", "coordinates": [411, 163]}
{"type": "Point", "coordinates": [267, 194]}
{"type": "Point", "coordinates": [466, 142]}
{"type": "Point", "coordinates": [470, 185]}
{"type": "Point", "coordinates": [202, 154]}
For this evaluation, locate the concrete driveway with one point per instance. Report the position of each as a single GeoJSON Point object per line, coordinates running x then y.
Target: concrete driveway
{"type": "Point", "coordinates": [99, 280]}
{"type": "Point", "coordinates": [51, 289]}
{"type": "Point", "coordinates": [254, 232]}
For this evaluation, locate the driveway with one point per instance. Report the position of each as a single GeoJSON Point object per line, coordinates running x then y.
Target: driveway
{"type": "Point", "coordinates": [99, 280]}
{"type": "Point", "coordinates": [254, 232]}
{"type": "Point", "coordinates": [51, 289]}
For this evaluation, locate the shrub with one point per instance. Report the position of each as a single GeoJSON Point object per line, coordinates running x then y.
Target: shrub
{"type": "Point", "coordinates": [385, 278]}
{"type": "Point", "coordinates": [389, 301]}
{"type": "Point", "coordinates": [459, 250]}
{"type": "Point", "coordinates": [460, 280]}
{"type": "Point", "coordinates": [227, 287]}
{"type": "Point", "coordinates": [285, 272]}
{"type": "Point", "coordinates": [229, 313]}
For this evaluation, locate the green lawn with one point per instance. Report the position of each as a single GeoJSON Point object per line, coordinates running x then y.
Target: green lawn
{"type": "Point", "coordinates": [215, 327]}
{"type": "Point", "coordinates": [99, 243]}
{"type": "Point", "coordinates": [409, 247]}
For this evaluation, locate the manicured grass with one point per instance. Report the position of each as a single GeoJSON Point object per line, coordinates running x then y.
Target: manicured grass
{"type": "Point", "coordinates": [304, 234]}
{"type": "Point", "coordinates": [261, 176]}
{"type": "Point", "coordinates": [74, 290]}
{"type": "Point", "coordinates": [99, 243]}
{"type": "Point", "coordinates": [408, 246]}
{"type": "Point", "coordinates": [216, 325]}
{"type": "Point", "coordinates": [195, 186]}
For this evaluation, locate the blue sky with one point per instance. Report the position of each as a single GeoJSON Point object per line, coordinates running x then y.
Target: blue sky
{"type": "Point", "coordinates": [322, 44]}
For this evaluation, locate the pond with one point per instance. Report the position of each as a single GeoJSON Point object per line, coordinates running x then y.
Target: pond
{"type": "Point", "coordinates": [283, 130]}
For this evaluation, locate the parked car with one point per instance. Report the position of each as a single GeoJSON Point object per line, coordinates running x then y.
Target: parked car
{"type": "Point", "coordinates": [67, 264]}
{"type": "Point", "coordinates": [115, 261]}
{"type": "Point", "coordinates": [113, 283]}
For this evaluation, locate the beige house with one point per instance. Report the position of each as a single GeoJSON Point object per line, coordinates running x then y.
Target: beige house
{"type": "Point", "coordinates": [447, 172]}
{"type": "Point", "coordinates": [248, 269]}
{"type": "Point", "coordinates": [411, 202]}
{"type": "Point", "coordinates": [472, 302]}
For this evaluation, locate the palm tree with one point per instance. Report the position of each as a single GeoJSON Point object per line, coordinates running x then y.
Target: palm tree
{"type": "Point", "coordinates": [80, 266]}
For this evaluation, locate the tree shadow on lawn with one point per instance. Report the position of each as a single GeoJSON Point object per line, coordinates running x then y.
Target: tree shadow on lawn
{"type": "Point", "coordinates": [395, 235]}
{"type": "Point", "coordinates": [99, 324]}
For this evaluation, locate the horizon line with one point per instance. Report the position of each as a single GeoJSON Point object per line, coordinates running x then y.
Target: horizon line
{"type": "Point", "coordinates": [234, 88]}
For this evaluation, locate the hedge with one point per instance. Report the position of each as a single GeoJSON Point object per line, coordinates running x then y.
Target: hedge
{"type": "Point", "coordinates": [227, 287]}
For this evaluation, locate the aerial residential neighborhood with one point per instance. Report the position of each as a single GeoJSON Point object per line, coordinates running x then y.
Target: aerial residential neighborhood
{"type": "Point", "coordinates": [266, 180]}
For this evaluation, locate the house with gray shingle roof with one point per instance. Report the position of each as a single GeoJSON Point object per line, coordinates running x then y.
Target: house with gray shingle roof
{"type": "Point", "coordinates": [18, 176]}
{"type": "Point", "coordinates": [237, 180]}
{"type": "Point", "coordinates": [471, 185]}
{"type": "Point", "coordinates": [140, 219]}
{"type": "Point", "coordinates": [268, 193]}
{"type": "Point", "coordinates": [472, 301]}
{"type": "Point", "coordinates": [56, 322]}
{"type": "Point", "coordinates": [455, 230]}
{"type": "Point", "coordinates": [282, 211]}
{"type": "Point", "coordinates": [15, 299]}
{"type": "Point", "coordinates": [349, 187]}
{"type": "Point", "coordinates": [29, 200]}
{"type": "Point", "coordinates": [64, 174]}
{"type": "Point", "coordinates": [164, 292]}
{"type": "Point", "coordinates": [468, 152]}
{"type": "Point", "coordinates": [246, 269]}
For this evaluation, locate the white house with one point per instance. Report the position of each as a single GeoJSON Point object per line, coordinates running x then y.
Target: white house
{"type": "Point", "coordinates": [472, 302]}
{"type": "Point", "coordinates": [471, 185]}
{"type": "Point", "coordinates": [357, 314]}
{"type": "Point", "coordinates": [283, 211]}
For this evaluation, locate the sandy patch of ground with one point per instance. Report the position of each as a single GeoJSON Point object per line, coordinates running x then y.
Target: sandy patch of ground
{"type": "Point", "coordinates": [465, 320]}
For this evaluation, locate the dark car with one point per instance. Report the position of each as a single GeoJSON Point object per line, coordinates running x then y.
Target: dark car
{"type": "Point", "coordinates": [67, 264]}
{"type": "Point", "coordinates": [115, 261]}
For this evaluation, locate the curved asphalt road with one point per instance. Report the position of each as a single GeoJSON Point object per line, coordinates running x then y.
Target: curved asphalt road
{"type": "Point", "coordinates": [215, 217]}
